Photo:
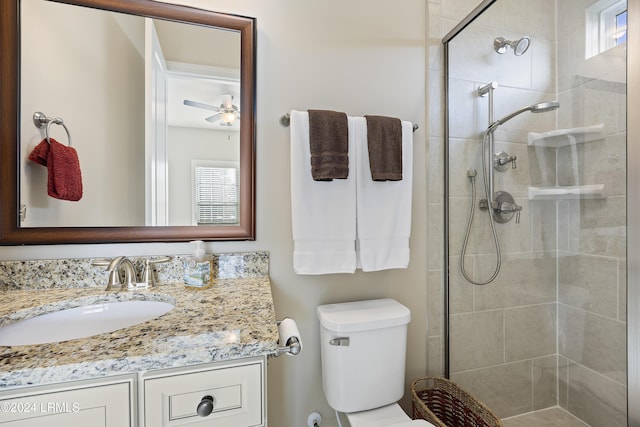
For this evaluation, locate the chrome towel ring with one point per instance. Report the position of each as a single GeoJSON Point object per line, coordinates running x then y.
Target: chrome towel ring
{"type": "Point", "coordinates": [43, 122]}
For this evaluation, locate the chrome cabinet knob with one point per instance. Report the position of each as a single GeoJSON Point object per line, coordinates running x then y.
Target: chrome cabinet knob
{"type": "Point", "coordinates": [205, 407]}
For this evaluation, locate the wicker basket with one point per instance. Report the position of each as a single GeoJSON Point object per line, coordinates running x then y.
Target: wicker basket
{"type": "Point", "coordinates": [444, 404]}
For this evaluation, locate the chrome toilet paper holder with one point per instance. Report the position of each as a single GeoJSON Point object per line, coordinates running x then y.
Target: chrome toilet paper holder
{"type": "Point", "coordinates": [292, 346]}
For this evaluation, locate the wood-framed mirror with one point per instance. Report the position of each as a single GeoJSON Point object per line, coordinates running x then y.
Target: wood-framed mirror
{"type": "Point", "coordinates": [159, 104]}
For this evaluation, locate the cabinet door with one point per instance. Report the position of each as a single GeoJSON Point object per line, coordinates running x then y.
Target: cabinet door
{"type": "Point", "coordinates": [99, 406]}
{"type": "Point", "coordinates": [235, 392]}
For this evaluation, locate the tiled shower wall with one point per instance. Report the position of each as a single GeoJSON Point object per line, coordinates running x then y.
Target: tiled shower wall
{"type": "Point", "coordinates": [550, 329]}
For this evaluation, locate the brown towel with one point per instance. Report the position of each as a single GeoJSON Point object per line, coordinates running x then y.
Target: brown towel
{"type": "Point", "coordinates": [384, 137]}
{"type": "Point", "coordinates": [329, 143]}
{"type": "Point", "coordinates": [64, 179]}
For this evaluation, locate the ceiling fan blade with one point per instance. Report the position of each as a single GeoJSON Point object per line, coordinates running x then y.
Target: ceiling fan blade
{"type": "Point", "coordinates": [213, 118]}
{"type": "Point", "coordinates": [200, 105]}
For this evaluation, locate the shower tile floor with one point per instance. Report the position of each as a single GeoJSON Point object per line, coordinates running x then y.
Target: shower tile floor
{"type": "Point", "coordinates": [552, 417]}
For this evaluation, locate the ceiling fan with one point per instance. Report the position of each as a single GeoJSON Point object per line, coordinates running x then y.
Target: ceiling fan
{"type": "Point", "coordinates": [227, 112]}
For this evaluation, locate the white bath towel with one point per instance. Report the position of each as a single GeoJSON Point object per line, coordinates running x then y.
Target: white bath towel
{"type": "Point", "coordinates": [383, 207]}
{"type": "Point", "coordinates": [323, 213]}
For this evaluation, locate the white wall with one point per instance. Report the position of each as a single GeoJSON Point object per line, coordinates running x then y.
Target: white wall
{"type": "Point", "coordinates": [361, 56]}
{"type": "Point", "coordinates": [187, 144]}
{"type": "Point", "coordinates": [101, 117]}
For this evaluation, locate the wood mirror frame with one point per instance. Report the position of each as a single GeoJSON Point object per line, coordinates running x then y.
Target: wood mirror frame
{"type": "Point", "coordinates": [10, 231]}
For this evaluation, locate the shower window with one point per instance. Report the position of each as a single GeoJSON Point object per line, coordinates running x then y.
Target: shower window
{"type": "Point", "coordinates": [606, 25]}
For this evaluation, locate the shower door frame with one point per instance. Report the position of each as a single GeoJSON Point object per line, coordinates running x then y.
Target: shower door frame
{"type": "Point", "coordinates": [632, 194]}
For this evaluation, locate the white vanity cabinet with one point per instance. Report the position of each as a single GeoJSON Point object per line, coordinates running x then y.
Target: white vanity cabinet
{"type": "Point", "coordinates": [99, 403]}
{"type": "Point", "coordinates": [223, 394]}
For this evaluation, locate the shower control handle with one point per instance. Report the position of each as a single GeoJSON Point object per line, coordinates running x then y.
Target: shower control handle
{"type": "Point", "coordinates": [501, 161]}
{"type": "Point", "coordinates": [504, 207]}
{"type": "Point", "coordinates": [511, 208]}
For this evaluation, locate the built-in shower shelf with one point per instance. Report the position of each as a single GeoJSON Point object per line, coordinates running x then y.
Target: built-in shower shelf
{"type": "Point", "coordinates": [593, 191]}
{"type": "Point", "coordinates": [563, 137]}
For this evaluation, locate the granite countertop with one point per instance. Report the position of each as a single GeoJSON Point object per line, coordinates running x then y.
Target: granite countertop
{"type": "Point", "coordinates": [234, 318]}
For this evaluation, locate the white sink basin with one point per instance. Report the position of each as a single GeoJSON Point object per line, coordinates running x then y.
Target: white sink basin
{"type": "Point", "coordinates": [81, 322]}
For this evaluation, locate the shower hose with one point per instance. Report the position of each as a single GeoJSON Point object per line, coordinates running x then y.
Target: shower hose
{"type": "Point", "coordinates": [471, 174]}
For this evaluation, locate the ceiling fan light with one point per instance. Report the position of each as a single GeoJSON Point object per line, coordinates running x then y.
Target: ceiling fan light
{"type": "Point", "coordinates": [227, 101]}
{"type": "Point", "coordinates": [228, 117]}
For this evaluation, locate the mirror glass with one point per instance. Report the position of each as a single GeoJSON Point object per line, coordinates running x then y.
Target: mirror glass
{"type": "Point", "coordinates": [156, 105]}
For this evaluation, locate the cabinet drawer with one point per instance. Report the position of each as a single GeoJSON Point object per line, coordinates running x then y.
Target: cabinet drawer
{"type": "Point", "coordinates": [105, 405]}
{"type": "Point", "coordinates": [236, 392]}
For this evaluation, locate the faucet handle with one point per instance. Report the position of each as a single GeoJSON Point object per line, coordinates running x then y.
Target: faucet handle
{"type": "Point", "coordinates": [148, 274]}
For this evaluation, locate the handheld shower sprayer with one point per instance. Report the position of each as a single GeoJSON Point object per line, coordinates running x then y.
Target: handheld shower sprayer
{"type": "Point", "coordinates": [500, 206]}
{"type": "Point", "coordinates": [541, 107]}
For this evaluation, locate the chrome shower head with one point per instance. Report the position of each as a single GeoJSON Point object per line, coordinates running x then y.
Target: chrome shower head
{"type": "Point", "coordinates": [519, 46]}
{"type": "Point", "coordinates": [541, 107]}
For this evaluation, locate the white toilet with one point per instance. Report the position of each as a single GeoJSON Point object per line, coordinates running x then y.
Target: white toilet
{"type": "Point", "coordinates": [364, 348]}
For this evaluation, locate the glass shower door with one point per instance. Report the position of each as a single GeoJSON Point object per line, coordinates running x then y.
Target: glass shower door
{"type": "Point", "coordinates": [548, 332]}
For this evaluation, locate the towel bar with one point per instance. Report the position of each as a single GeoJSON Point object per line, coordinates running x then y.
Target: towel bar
{"type": "Point", "coordinates": [43, 122]}
{"type": "Point", "coordinates": [285, 121]}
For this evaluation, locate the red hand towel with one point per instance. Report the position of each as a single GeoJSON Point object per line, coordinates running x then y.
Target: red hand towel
{"type": "Point", "coordinates": [40, 153]}
{"type": "Point", "coordinates": [64, 179]}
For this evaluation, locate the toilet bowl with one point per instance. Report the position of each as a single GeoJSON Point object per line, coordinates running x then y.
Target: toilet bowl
{"type": "Point", "coordinates": [363, 352]}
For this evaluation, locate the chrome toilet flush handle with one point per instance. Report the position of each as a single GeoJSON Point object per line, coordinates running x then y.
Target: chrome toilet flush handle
{"type": "Point", "coordinates": [340, 342]}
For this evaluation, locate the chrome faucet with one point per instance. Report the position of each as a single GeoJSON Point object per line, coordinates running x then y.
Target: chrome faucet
{"type": "Point", "coordinates": [123, 274]}
{"type": "Point", "coordinates": [130, 276]}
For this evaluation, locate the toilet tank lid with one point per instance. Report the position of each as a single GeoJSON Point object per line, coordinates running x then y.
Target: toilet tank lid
{"type": "Point", "coordinates": [363, 315]}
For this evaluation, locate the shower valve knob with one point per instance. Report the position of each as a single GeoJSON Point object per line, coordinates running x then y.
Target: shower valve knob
{"type": "Point", "coordinates": [501, 161]}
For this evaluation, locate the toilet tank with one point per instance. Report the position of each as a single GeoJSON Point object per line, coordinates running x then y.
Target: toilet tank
{"type": "Point", "coordinates": [363, 349]}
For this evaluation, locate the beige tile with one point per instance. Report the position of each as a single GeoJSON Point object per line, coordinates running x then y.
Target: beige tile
{"type": "Point", "coordinates": [544, 225]}
{"type": "Point", "coordinates": [506, 389]}
{"type": "Point", "coordinates": [477, 340]}
{"type": "Point", "coordinates": [544, 381]}
{"type": "Point", "coordinates": [589, 282]}
{"type": "Point", "coordinates": [435, 234]}
{"type": "Point", "coordinates": [622, 290]}
{"type": "Point", "coordinates": [435, 302]}
{"type": "Point", "coordinates": [434, 353]}
{"type": "Point", "coordinates": [461, 291]}
{"type": "Point", "coordinates": [462, 99]}
{"type": "Point", "coordinates": [525, 279]}
{"type": "Point", "coordinates": [598, 227]}
{"type": "Point", "coordinates": [511, 236]}
{"type": "Point", "coordinates": [595, 399]}
{"type": "Point", "coordinates": [593, 341]}
{"type": "Point", "coordinates": [515, 181]}
{"type": "Point", "coordinates": [464, 154]}
{"type": "Point", "coordinates": [542, 165]}
{"type": "Point", "coordinates": [530, 18]}
{"type": "Point", "coordinates": [435, 160]}
{"type": "Point", "coordinates": [552, 417]}
{"type": "Point", "coordinates": [543, 75]}
{"type": "Point", "coordinates": [599, 162]}
{"type": "Point", "coordinates": [563, 382]}
{"type": "Point", "coordinates": [530, 332]}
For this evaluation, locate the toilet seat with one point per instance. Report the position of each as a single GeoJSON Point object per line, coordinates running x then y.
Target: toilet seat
{"type": "Point", "coordinates": [386, 416]}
